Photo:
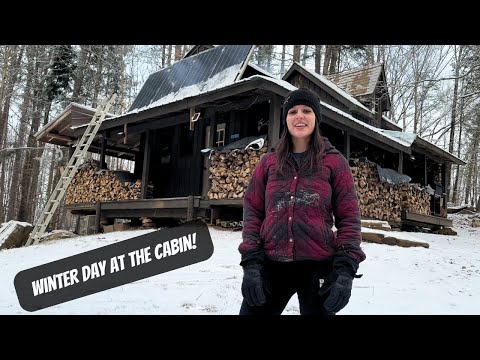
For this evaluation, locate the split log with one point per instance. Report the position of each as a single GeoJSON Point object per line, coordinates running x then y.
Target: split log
{"type": "Point", "coordinates": [385, 201]}
{"type": "Point", "coordinates": [92, 184]}
{"type": "Point", "coordinates": [231, 172]}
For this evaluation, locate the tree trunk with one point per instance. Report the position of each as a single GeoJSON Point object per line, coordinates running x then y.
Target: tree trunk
{"type": "Point", "coordinates": [305, 55]}
{"type": "Point", "coordinates": [16, 190]}
{"type": "Point", "coordinates": [335, 59]}
{"type": "Point", "coordinates": [318, 58]}
{"type": "Point", "coordinates": [470, 165]}
{"type": "Point", "coordinates": [15, 58]}
{"type": "Point", "coordinates": [296, 52]}
{"type": "Point", "coordinates": [454, 111]}
{"type": "Point", "coordinates": [327, 59]}
{"type": "Point", "coordinates": [169, 55]}
{"type": "Point", "coordinates": [98, 76]}
{"type": "Point", "coordinates": [457, 173]}
{"type": "Point", "coordinates": [31, 168]}
{"type": "Point", "coordinates": [80, 72]}
{"type": "Point", "coordinates": [282, 64]}
{"type": "Point", "coordinates": [178, 52]}
{"type": "Point", "coordinates": [370, 54]}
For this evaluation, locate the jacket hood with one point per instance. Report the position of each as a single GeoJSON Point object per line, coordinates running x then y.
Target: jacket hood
{"type": "Point", "coordinates": [329, 148]}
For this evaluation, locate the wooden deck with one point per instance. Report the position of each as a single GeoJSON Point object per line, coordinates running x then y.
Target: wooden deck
{"type": "Point", "coordinates": [430, 221]}
{"type": "Point", "coordinates": [191, 207]}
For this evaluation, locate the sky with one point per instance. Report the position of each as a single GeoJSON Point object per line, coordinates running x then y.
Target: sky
{"type": "Point", "coordinates": [443, 279]}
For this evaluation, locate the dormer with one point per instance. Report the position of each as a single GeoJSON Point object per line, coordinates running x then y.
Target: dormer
{"type": "Point", "coordinates": [368, 85]}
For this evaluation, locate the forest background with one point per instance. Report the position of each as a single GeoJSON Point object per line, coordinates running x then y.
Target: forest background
{"type": "Point", "coordinates": [434, 90]}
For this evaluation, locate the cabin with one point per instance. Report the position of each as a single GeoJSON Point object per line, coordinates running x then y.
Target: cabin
{"type": "Point", "coordinates": [215, 102]}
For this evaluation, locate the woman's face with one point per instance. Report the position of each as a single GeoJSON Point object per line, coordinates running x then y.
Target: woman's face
{"type": "Point", "coordinates": [301, 121]}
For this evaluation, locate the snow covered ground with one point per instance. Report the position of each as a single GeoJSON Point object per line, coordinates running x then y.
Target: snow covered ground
{"type": "Point", "coordinates": [443, 279]}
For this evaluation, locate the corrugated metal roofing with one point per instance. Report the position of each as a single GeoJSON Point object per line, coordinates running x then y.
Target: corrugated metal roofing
{"type": "Point", "coordinates": [358, 82]}
{"type": "Point", "coordinates": [189, 71]}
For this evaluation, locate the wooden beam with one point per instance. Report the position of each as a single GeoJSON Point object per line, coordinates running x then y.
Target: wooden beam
{"type": "Point", "coordinates": [274, 121]}
{"type": "Point", "coordinates": [71, 150]}
{"type": "Point", "coordinates": [179, 213]}
{"type": "Point", "coordinates": [190, 209]}
{"type": "Point", "coordinates": [400, 162]}
{"type": "Point", "coordinates": [446, 182]}
{"type": "Point", "coordinates": [346, 144]}
{"type": "Point", "coordinates": [51, 136]}
{"type": "Point", "coordinates": [425, 219]}
{"type": "Point", "coordinates": [98, 211]}
{"type": "Point", "coordinates": [184, 104]}
{"type": "Point", "coordinates": [434, 151]}
{"type": "Point", "coordinates": [425, 182]}
{"type": "Point", "coordinates": [102, 151]}
{"type": "Point", "coordinates": [163, 203]}
{"type": "Point", "coordinates": [146, 164]}
{"type": "Point", "coordinates": [341, 122]}
{"type": "Point", "coordinates": [231, 202]}
{"type": "Point", "coordinates": [428, 154]}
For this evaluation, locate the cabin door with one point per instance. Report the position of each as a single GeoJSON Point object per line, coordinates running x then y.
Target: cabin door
{"type": "Point", "coordinates": [206, 164]}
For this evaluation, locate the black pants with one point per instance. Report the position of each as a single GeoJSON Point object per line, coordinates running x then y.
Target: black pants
{"type": "Point", "coordinates": [286, 279]}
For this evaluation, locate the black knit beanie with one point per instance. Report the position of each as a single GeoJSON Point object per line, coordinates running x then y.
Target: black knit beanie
{"type": "Point", "coordinates": [302, 97]}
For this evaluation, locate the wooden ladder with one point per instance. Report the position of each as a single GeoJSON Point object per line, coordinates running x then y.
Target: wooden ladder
{"type": "Point", "coordinates": [69, 172]}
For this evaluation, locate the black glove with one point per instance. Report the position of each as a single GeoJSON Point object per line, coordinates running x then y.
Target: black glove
{"type": "Point", "coordinates": [339, 283]}
{"type": "Point", "coordinates": [253, 285]}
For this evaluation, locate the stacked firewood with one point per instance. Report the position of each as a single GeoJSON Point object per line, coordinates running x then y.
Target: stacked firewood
{"type": "Point", "coordinates": [91, 184]}
{"type": "Point", "coordinates": [230, 172]}
{"type": "Point", "coordinates": [385, 201]}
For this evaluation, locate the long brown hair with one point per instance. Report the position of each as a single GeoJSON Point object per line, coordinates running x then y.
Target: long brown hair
{"type": "Point", "coordinates": [316, 147]}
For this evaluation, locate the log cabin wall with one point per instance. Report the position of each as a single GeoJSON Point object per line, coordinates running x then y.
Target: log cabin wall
{"type": "Point", "coordinates": [240, 123]}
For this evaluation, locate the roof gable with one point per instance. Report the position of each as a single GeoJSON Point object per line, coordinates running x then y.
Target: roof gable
{"type": "Point", "coordinates": [359, 82]}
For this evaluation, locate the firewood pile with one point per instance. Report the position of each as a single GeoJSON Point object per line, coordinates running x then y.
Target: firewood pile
{"type": "Point", "coordinates": [385, 201]}
{"type": "Point", "coordinates": [92, 184]}
{"type": "Point", "coordinates": [230, 172]}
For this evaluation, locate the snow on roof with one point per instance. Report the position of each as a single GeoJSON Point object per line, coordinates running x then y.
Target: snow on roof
{"type": "Point", "coordinates": [390, 121]}
{"type": "Point", "coordinates": [259, 69]}
{"type": "Point", "coordinates": [282, 83]}
{"type": "Point", "coordinates": [202, 68]}
{"type": "Point", "coordinates": [408, 138]}
{"type": "Point", "coordinates": [222, 79]}
{"type": "Point", "coordinates": [396, 139]}
{"type": "Point", "coordinates": [335, 88]}
{"type": "Point", "coordinates": [59, 118]}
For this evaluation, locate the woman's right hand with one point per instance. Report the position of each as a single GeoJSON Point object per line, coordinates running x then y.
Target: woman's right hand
{"type": "Point", "coordinates": [253, 285]}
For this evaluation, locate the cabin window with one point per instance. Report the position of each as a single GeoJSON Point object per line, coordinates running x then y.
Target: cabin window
{"type": "Point", "coordinates": [220, 135]}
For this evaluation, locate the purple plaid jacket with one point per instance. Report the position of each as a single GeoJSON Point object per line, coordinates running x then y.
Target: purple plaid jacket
{"type": "Point", "coordinates": [290, 217]}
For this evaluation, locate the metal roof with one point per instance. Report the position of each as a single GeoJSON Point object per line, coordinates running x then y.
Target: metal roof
{"type": "Point", "coordinates": [192, 70]}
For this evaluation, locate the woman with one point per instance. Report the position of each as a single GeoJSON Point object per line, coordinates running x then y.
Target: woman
{"type": "Point", "coordinates": [295, 194]}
